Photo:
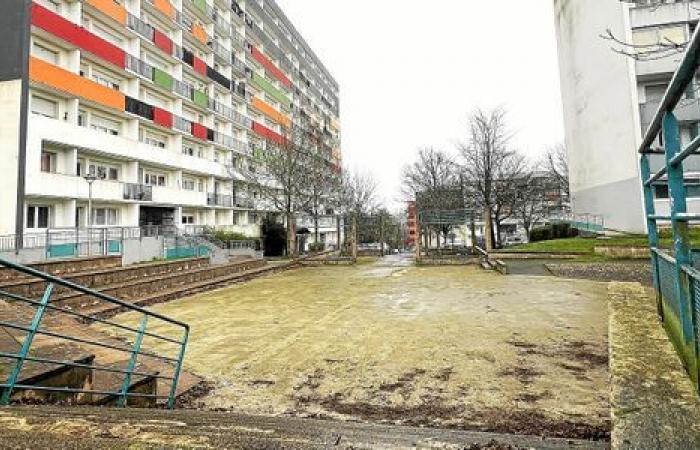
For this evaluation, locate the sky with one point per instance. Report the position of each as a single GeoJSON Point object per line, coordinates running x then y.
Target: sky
{"type": "Point", "coordinates": [410, 72]}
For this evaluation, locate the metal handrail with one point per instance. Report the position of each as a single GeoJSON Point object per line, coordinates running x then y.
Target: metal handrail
{"type": "Point", "coordinates": [13, 381]}
{"type": "Point", "coordinates": [677, 284]}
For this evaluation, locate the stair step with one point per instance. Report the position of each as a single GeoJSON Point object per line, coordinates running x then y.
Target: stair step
{"type": "Point", "coordinates": [135, 289]}
{"type": "Point", "coordinates": [64, 267]}
{"type": "Point", "coordinates": [105, 311]}
{"type": "Point", "coordinates": [31, 287]}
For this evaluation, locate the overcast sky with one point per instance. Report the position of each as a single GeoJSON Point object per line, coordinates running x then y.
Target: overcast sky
{"type": "Point", "coordinates": [411, 71]}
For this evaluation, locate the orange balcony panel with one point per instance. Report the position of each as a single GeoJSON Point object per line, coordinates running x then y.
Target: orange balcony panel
{"type": "Point", "coordinates": [45, 73]}
{"type": "Point", "coordinates": [199, 33]}
{"type": "Point", "coordinates": [165, 7]}
{"type": "Point", "coordinates": [110, 8]}
{"type": "Point", "coordinates": [271, 112]}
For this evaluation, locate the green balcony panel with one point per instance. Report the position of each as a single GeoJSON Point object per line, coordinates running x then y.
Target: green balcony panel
{"type": "Point", "coordinates": [201, 4]}
{"type": "Point", "coordinates": [266, 86]}
{"type": "Point", "coordinates": [201, 98]}
{"type": "Point", "coordinates": [162, 79]}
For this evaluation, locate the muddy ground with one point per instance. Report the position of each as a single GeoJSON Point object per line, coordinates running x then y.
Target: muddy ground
{"type": "Point", "coordinates": [450, 347]}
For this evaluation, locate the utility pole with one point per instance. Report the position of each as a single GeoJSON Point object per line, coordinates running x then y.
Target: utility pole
{"type": "Point", "coordinates": [90, 178]}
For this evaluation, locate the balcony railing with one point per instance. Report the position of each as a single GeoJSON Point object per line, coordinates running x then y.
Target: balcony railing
{"type": "Point", "coordinates": [222, 200]}
{"type": "Point", "coordinates": [139, 67]}
{"type": "Point", "coordinates": [140, 27]}
{"type": "Point", "coordinates": [141, 192]}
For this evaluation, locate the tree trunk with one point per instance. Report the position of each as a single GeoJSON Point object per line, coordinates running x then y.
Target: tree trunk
{"type": "Point", "coordinates": [488, 229]}
{"type": "Point", "coordinates": [381, 235]}
{"type": "Point", "coordinates": [316, 234]}
{"type": "Point", "coordinates": [291, 236]}
{"type": "Point", "coordinates": [337, 229]}
{"type": "Point", "coordinates": [472, 230]}
{"type": "Point", "coordinates": [354, 237]}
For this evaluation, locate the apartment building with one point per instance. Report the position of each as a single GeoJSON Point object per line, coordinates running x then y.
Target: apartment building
{"type": "Point", "coordinates": [147, 112]}
{"type": "Point", "coordinates": [616, 61]}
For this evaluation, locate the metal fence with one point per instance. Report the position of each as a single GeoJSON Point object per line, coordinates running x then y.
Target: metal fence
{"type": "Point", "coordinates": [676, 281]}
{"type": "Point", "coordinates": [591, 223]}
{"type": "Point", "coordinates": [74, 242]}
{"type": "Point", "coordinates": [32, 317]}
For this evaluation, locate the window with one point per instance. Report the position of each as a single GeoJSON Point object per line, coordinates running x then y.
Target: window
{"type": "Point", "coordinates": [44, 107]}
{"type": "Point", "coordinates": [105, 80]}
{"type": "Point", "coordinates": [188, 184]}
{"type": "Point", "coordinates": [154, 179]}
{"type": "Point", "coordinates": [155, 140]}
{"type": "Point", "coordinates": [104, 216]}
{"type": "Point", "coordinates": [80, 167]}
{"type": "Point", "coordinates": [82, 118]}
{"type": "Point", "coordinates": [105, 125]}
{"type": "Point", "coordinates": [48, 162]}
{"type": "Point", "coordinates": [187, 219]}
{"type": "Point", "coordinates": [103, 171]}
{"type": "Point", "coordinates": [38, 216]}
{"type": "Point", "coordinates": [45, 53]}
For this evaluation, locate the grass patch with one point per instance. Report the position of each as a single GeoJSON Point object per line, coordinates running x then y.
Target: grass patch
{"type": "Point", "coordinates": [585, 245]}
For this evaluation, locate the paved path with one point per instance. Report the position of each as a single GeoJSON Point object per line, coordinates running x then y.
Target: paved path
{"type": "Point", "coordinates": [654, 405]}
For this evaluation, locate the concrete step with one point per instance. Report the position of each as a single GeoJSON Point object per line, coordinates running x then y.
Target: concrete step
{"type": "Point", "coordinates": [136, 289]}
{"type": "Point", "coordinates": [65, 267]}
{"type": "Point", "coordinates": [209, 284]}
{"type": "Point", "coordinates": [94, 278]}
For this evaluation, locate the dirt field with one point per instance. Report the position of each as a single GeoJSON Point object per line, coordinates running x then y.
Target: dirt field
{"type": "Point", "coordinates": [388, 343]}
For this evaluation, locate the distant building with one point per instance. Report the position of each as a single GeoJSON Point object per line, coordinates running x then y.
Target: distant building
{"type": "Point", "coordinates": [411, 224]}
{"type": "Point", "coordinates": [610, 99]}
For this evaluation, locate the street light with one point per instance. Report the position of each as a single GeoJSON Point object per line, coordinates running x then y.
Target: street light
{"type": "Point", "coordinates": [90, 178]}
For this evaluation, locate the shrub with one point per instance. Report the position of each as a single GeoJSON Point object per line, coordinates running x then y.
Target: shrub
{"type": "Point", "coordinates": [317, 247]}
{"type": "Point", "coordinates": [541, 234]}
{"type": "Point", "coordinates": [228, 236]}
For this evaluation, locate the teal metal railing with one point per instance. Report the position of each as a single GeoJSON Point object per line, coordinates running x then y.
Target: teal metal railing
{"type": "Point", "coordinates": [676, 281]}
{"type": "Point", "coordinates": [170, 341]}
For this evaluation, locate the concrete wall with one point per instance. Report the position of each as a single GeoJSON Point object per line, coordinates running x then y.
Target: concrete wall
{"type": "Point", "coordinates": [144, 249]}
{"type": "Point", "coordinates": [601, 112]}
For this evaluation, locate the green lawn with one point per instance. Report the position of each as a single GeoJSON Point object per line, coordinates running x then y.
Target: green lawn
{"type": "Point", "coordinates": [586, 245]}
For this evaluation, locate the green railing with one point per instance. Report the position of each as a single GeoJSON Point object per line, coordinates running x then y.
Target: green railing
{"type": "Point", "coordinates": [676, 281]}
{"type": "Point", "coordinates": [27, 318]}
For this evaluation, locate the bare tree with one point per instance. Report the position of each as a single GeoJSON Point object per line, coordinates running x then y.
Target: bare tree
{"type": "Point", "coordinates": [506, 193]}
{"type": "Point", "coordinates": [486, 155]}
{"type": "Point", "coordinates": [556, 164]}
{"type": "Point", "coordinates": [281, 177]}
{"type": "Point", "coordinates": [433, 179]}
{"type": "Point", "coordinates": [322, 180]}
{"type": "Point", "coordinates": [531, 205]}
{"type": "Point", "coordinates": [358, 193]}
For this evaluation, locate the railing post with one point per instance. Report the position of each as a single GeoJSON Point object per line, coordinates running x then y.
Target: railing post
{"type": "Point", "coordinates": [681, 240]}
{"type": "Point", "coordinates": [652, 229]}
{"type": "Point", "coordinates": [132, 362]}
{"type": "Point", "coordinates": [26, 346]}
{"type": "Point", "coordinates": [178, 368]}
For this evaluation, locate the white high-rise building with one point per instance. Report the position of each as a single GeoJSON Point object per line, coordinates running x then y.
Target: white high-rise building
{"type": "Point", "coordinates": [610, 98]}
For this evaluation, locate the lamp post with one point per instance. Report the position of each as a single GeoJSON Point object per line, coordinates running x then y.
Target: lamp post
{"type": "Point", "coordinates": [90, 179]}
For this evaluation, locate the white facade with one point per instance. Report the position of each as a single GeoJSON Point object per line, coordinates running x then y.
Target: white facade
{"type": "Point", "coordinates": [609, 98]}
{"type": "Point", "coordinates": [149, 174]}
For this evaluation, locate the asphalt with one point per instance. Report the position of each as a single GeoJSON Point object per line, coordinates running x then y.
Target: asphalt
{"type": "Point", "coordinates": [97, 428]}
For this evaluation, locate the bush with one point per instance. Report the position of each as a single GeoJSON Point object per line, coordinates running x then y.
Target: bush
{"type": "Point", "coordinates": [541, 234]}
{"type": "Point", "coordinates": [228, 236]}
{"type": "Point", "coordinates": [558, 230]}
{"type": "Point", "coordinates": [317, 247]}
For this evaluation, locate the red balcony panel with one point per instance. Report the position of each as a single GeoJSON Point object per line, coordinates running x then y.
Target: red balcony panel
{"type": "Point", "coordinates": [162, 117]}
{"type": "Point", "coordinates": [163, 42]}
{"type": "Point", "coordinates": [200, 66]}
{"type": "Point", "coordinates": [68, 31]}
{"type": "Point", "coordinates": [268, 133]}
{"type": "Point", "coordinates": [270, 67]}
{"type": "Point", "coordinates": [199, 131]}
